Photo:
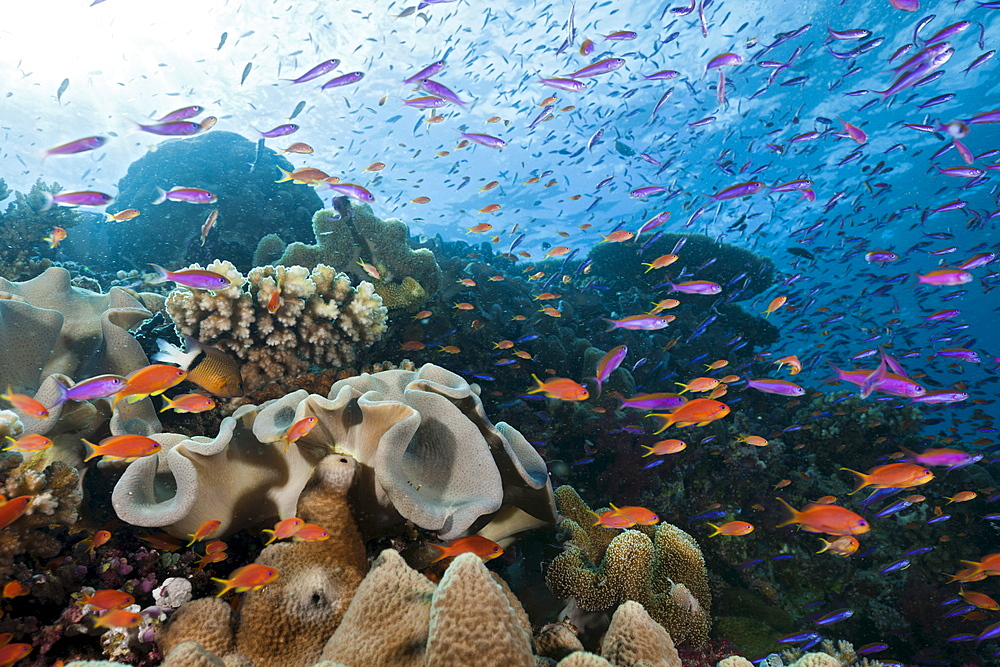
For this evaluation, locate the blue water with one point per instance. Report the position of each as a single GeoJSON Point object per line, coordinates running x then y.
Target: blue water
{"type": "Point", "coordinates": [129, 62]}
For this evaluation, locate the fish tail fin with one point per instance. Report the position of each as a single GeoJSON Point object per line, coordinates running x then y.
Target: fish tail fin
{"type": "Point", "coordinates": [442, 552]}
{"type": "Point", "coordinates": [612, 325]}
{"type": "Point", "coordinates": [226, 586]}
{"type": "Point", "coordinates": [161, 195]}
{"type": "Point", "coordinates": [597, 381]}
{"type": "Point", "coordinates": [618, 397]}
{"type": "Point", "coordinates": [666, 421]}
{"type": "Point", "coordinates": [274, 536]}
{"type": "Point", "coordinates": [826, 546]}
{"type": "Point", "coordinates": [681, 384]}
{"type": "Point", "coordinates": [63, 394]}
{"type": "Point", "coordinates": [539, 388]}
{"type": "Point", "coordinates": [193, 540]}
{"type": "Point", "coordinates": [612, 506]}
{"type": "Point", "coordinates": [161, 274]}
{"type": "Point", "coordinates": [792, 514]}
{"type": "Point", "coordinates": [95, 450]}
{"type": "Point", "coordinates": [649, 451]}
{"type": "Point", "coordinates": [287, 176]}
{"type": "Point", "coordinates": [49, 201]}
{"type": "Point", "coordinates": [171, 354]}
{"type": "Point", "coordinates": [716, 529]}
{"type": "Point", "coordinates": [909, 452]}
{"type": "Point", "coordinates": [862, 480]}
{"type": "Point", "coordinates": [167, 404]}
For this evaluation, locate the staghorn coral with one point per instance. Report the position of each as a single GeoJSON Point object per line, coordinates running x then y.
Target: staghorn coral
{"type": "Point", "coordinates": [55, 502]}
{"type": "Point", "coordinates": [660, 567]}
{"type": "Point", "coordinates": [349, 233]}
{"type": "Point", "coordinates": [428, 452]}
{"type": "Point", "coordinates": [289, 621]}
{"type": "Point", "coordinates": [24, 254]}
{"type": "Point", "coordinates": [320, 320]}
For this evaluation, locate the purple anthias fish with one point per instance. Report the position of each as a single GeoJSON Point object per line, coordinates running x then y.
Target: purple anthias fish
{"type": "Point", "coordinates": [960, 353]}
{"type": "Point", "coordinates": [425, 102]}
{"type": "Point", "coordinates": [724, 60]}
{"type": "Point", "coordinates": [653, 223]}
{"type": "Point", "coordinates": [974, 262]}
{"type": "Point", "coordinates": [739, 190]}
{"type": "Point", "coordinates": [647, 191]}
{"type": "Point", "coordinates": [946, 458]}
{"type": "Point", "coordinates": [353, 191]}
{"type": "Point", "coordinates": [82, 198]}
{"type": "Point", "coordinates": [343, 80]}
{"type": "Point", "coordinates": [189, 195]}
{"type": "Point", "coordinates": [182, 114]}
{"type": "Point", "coordinates": [174, 128]}
{"type": "Point", "coordinates": [600, 67]}
{"type": "Point", "coordinates": [487, 140]}
{"type": "Point", "coordinates": [780, 387]}
{"type": "Point", "coordinates": [639, 323]}
{"type": "Point", "coordinates": [870, 382]}
{"type": "Point", "coordinates": [281, 131]}
{"type": "Point", "coordinates": [608, 363]}
{"type": "Point", "coordinates": [427, 72]}
{"type": "Point", "coordinates": [100, 386]}
{"type": "Point", "coordinates": [78, 146]}
{"type": "Point", "coordinates": [442, 91]}
{"type": "Point", "coordinates": [317, 71]}
{"type": "Point", "coordinates": [695, 287]}
{"type": "Point", "coordinates": [571, 85]}
{"type": "Point", "coordinates": [893, 383]}
{"type": "Point", "coordinates": [834, 616]}
{"type": "Point", "coordinates": [194, 278]}
{"type": "Point", "coordinates": [942, 397]}
{"type": "Point", "coordinates": [621, 36]}
{"type": "Point", "coordinates": [661, 401]}
{"type": "Point", "coordinates": [662, 75]}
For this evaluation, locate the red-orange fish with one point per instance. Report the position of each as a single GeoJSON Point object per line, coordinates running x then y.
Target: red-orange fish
{"type": "Point", "coordinates": [247, 578]}
{"type": "Point", "coordinates": [108, 599]}
{"type": "Point", "coordinates": [626, 517]}
{"type": "Point", "coordinates": [206, 529]}
{"type": "Point", "coordinates": [563, 389]}
{"type": "Point", "coordinates": [100, 538]}
{"type": "Point", "coordinates": [150, 380]}
{"type": "Point", "coordinates": [11, 510]}
{"type": "Point", "coordinates": [734, 528]}
{"type": "Point", "coordinates": [26, 404]}
{"type": "Point", "coordinates": [29, 442]}
{"type": "Point", "coordinates": [829, 519]}
{"type": "Point", "coordinates": [310, 532]}
{"type": "Point", "coordinates": [126, 447]}
{"type": "Point", "coordinates": [299, 429]}
{"type": "Point", "coordinates": [472, 544]}
{"type": "Point", "coordinates": [892, 476]}
{"type": "Point", "coordinates": [118, 618]}
{"type": "Point", "coordinates": [188, 403]}
{"type": "Point", "coordinates": [700, 411]}
{"type": "Point", "coordinates": [284, 529]}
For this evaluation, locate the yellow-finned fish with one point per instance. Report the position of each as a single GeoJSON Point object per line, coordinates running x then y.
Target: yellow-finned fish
{"type": "Point", "coordinates": [210, 368]}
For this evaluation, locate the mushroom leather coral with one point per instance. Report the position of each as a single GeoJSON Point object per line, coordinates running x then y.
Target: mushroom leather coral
{"type": "Point", "coordinates": [427, 449]}
{"type": "Point", "coordinates": [661, 567]}
{"type": "Point", "coordinates": [288, 621]}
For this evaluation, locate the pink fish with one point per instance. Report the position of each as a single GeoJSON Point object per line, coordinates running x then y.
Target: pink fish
{"type": "Point", "coordinates": [317, 71]}
{"type": "Point", "coordinates": [78, 146]}
{"type": "Point", "coordinates": [695, 287]}
{"type": "Point", "coordinates": [893, 383]}
{"type": "Point", "coordinates": [440, 90]}
{"type": "Point", "coordinates": [608, 363]}
{"type": "Point", "coordinates": [780, 387]}
{"type": "Point", "coordinates": [182, 114]}
{"type": "Point", "coordinates": [948, 277]}
{"type": "Point", "coordinates": [427, 72]}
{"type": "Point", "coordinates": [82, 198]}
{"type": "Point", "coordinates": [343, 80]}
{"type": "Point", "coordinates": [352, 190]}
{"type": "Point", "coordinates": [640, 322]}
{"type": "Point", "coordinates": [659, 401]}
{"type": "Point", "coordinates": [189, 195]}
{"type": "Point", "coordinates": [600, 67]}
{"type": "Point", "coordinates": [487, 140]}
{"type": "Point", "coordinates": [280, 131]}
{"type": "Point", "coordinates": [739, 190]}
{"type": "Point", "coordinates": [173, 128]}
{"type": "Point", "coordinates": [724, 60]}
{"type": "Point", "coordinates": [571, 85]}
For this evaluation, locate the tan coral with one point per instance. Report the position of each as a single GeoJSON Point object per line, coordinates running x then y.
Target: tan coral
{"type": "Point", "coordinates": [191, 654]}
{"type": "Point", "coordinates": [735, 661]}
{"type": "Point", "coordinates": [387, 621]}
{"type": "Point", "coordinates": [209, 621]}
{"type": "Point", "coordinates": [583, 659]}
{"type": "Point", "coordinates": [633, 638]}
{"type": "Point", "coordinates": [661, 567]}
{"type": "Point", "coordinates": [350, 232]}
{"type": "Point", "coordinates": [557, 640]}
{"type": "Point", "coordinates": [320, 320]}
{"type": "Point", "coordinates": [816, 660]}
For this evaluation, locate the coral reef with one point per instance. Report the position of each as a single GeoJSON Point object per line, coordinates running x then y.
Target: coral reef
{"type": "Point", "coordinates": [55, 500]}
{"type": "Point", "coordinates": [320, 319]}
{"type": "Point", "coordinates": [289, 621]}
{"type": "Point", "coordinates": [350, 233]}
{"type": "Point", "coordinates": [240, 172]}
{"type": "Point", "coordinates": [24, 254]}
{"type": "Point", "coordinates": [660, 567]}
{"type": "Point", "coordinates": [52, 331]}
{"type": "Point", "coordinates": [427, 452]}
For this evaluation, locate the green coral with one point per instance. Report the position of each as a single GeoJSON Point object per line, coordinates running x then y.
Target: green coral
{"type": "Point", "coordinates": [661, 567]}
{"type": "Point", "coordinates": [350, 233]}
{"type": "Point", "coordinates": [25, 224]}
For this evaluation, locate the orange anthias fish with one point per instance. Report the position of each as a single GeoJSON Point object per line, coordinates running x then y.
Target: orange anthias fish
{"type": "Point", "coordinates": [700, 411]}
{"type": "Point", "coordinates": [206, 529]}
{"type": "Point", "coordinates": [793, 363]}
{"type": "Point", "coordinates": [829, 519]}
{"type": "Point", "coordinates": [844, 545]}
{"type": "Point", "coordinates": [55, 237]}
{"type": "Point", "coordinates": [660, 262]}
{"type": "Point", "coordinates": [892, 476]}
{"type": "Point", "coordinates": [108, 599]}
{"type": "Point", "coordinates": [100, 538]}
{"type": "Point", "coordinates": [126, 447]}
{"type": "Point", "coordinates": [664, 447]}
{"type": "Point", "coordinates": [626, 517]}
{"type": "Point", "coordinates": [13, 589]}
{"type": "Point", "coordinates": [734, 528]}
{"type": "Point", "coordinates": [11, 510]}
{"type": "Point", "coordinates": [11, 653]}
{"type": "Point", "coordinates": [617, 237]}
{"type": "Point", "coordinates": [26, 404]}
{"type": "Point", "coordinates": [192, 403]}
{"type": "Point", "coordinates": [698, 385]}
{"type": "Point", "coordinates": [150, 380]}
{"type": "Point", "coordinates": [310, 532]}
{"type": "Point", "coordinates": [29, 442]}
{"type": "Point", "coordinates": [563, 389]}
{"type": "Point", "coordinates": [118, 618]}
{"type": "Point", "coordinates": [247, 578]}
{"type": "Point", "coordinates": [284, 529]}
{"type": "Point", "coordinates": [123, 216]}
{"type": "Point", "coordinates": [776, 303]}
{"type": "Point", "coordinates": [980, 600]}
{"type": "Point", "coordinates": [299, 429]}
{"type": "Point", "coordinates": [472, 544]}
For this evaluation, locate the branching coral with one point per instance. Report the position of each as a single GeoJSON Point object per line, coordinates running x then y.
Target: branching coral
{"type": "Point", "coordinates": [660, 567]}
{"type": "Point", "coordinates": [24, 225]}
{"type": "Point", "coordinates": [320, 319]}
{"type": "Point", "coordinates": [349, 233]}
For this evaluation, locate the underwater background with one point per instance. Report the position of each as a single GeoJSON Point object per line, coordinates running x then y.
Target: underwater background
{"type": "Point", "coordinates": [439, 331]}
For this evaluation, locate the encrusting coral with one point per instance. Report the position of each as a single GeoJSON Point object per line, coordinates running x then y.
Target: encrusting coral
{"type": "Point", "coordinates": [288, 622]}
{"type": "Point", "coordinates": [320, 318]}
{"type": "Point", "coordinates": [661, 567]}
{"type": "Point", "coordinates": [350, 233]}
